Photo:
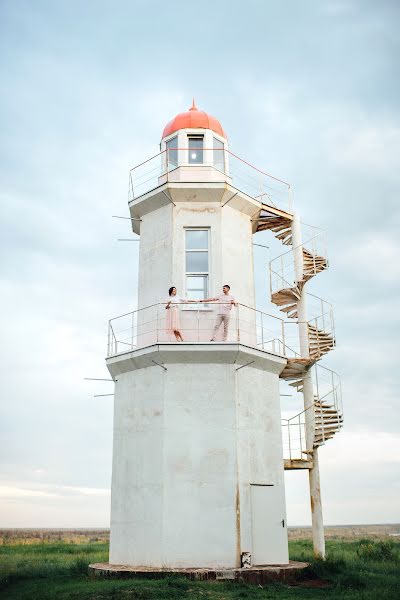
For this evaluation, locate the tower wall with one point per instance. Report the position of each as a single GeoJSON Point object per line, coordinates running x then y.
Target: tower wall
{"type": "Point", "coordinates": [162, 251]}
{"type": "Point", "coordinates": [188, 443]}
{"type": "Point", "coordinates": [155, 255]}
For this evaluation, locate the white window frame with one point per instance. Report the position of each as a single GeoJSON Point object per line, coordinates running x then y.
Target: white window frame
{"type": "Point", "coordinates": [223, 149]}
{"type": "Point", "coordinates": [198, 274]}
{"type": "Point", "coordinates": [170, 139]}
{"type": "Point", "coordinates": [196, 136]}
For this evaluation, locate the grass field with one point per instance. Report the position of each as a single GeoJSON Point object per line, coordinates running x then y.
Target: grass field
{"type": "Point", "coordinates": [359, 569]}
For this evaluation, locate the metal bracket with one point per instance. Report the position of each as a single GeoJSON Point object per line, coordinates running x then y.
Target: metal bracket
{"type": "Point", "coordinates": [128, 218]}
{"type": "Point", "coordinates": [97, 379]}
{"type": "Point", "coordinates": [229, 199]}
{"type": "Point", "coordinates": [168, 196]}
{"type": "Point", "coordinates": [246, 365]}
{"type": "Point", "coordinates": [261, 245]}
{"type": "Point", "coordinates": [158, 365]}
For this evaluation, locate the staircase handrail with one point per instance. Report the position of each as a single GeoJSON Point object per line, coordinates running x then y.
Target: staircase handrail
{"type": "Point", "coordinates": [302, 245]}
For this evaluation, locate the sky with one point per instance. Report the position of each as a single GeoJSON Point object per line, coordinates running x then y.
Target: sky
{"type": "Point", "coordinates": [308, 91]}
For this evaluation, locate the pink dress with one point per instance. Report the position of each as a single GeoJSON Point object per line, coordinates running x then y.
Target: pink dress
{"type": "Point", "coordinates": [172, 319]}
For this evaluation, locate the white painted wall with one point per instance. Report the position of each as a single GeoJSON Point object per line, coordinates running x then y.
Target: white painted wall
{"type": "Point", "coordinates": [155, 255]}
{"type": "Point", "coordinates": [188, 442]}
{"type": "Point", "coordinates": [259, 439]}
{"type": "Point", "coordinates": [162, 262]}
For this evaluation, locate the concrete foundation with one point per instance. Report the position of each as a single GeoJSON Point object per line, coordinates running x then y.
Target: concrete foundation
{"type": "Point", "coordinates": [255, 575]}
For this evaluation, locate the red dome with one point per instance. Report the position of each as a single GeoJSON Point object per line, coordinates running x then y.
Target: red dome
{"type": "Point", "coordinates": [193, 119]}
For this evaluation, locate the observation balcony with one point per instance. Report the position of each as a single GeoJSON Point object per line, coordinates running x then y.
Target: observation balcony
{"type": "Point", "coordinates": [170, 177]}
{"type": "Point", "coordinates": [253, 328]}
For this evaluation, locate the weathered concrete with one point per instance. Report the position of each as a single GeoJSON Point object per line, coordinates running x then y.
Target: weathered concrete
{"type": "Point", "coordinates": [165, 213]}
{"type": "Point", "coordinates": [191, 438]}
{"type": "Point", "coordinates": [255, 575]}
{"type": "Point", "coordinates": [197, 459]}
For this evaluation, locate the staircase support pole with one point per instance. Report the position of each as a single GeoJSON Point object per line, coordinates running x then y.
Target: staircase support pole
{"type": "Point", "coordinates": [316, 508]}
{"type": "Point", "coordinates": [308, 396]}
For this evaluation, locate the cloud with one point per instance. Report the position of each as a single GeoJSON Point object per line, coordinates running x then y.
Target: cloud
{"type": "Point", "coordinates": [81, 104]}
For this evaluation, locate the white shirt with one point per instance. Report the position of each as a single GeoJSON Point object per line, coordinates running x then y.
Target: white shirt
{"type": "Point", "coordinates": [175, 300]}
{"type": "Point", "coordinates": [225, 305]}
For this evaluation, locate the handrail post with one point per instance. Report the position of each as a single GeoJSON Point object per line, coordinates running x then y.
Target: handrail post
{"type": "Point", "coordinates": [262, 332]}
{"type": "Point", "coordinates": [237, 323]}
{"type": "Point", "coordinates": [300, 437]}
{"type": "Point", "coordinates": [198, 322]}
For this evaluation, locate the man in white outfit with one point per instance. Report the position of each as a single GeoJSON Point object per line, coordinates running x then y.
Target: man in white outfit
{"type": "Point", "coordinates": [226, 301]}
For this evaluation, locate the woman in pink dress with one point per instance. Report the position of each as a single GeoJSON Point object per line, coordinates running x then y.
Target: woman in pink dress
{"type": "Point", "coordinates": [172, 306]}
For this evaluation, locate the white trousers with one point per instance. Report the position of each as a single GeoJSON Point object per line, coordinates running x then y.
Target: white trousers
{"type": "Point", "coordinates": [221, 319]}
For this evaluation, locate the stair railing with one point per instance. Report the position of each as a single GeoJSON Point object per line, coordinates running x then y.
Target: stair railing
{"type": "Point", "coordinates": [282, 267]}
{"type": "Point", "coordinates": [328, 390]}
{"type": "Point", "coordinates": [295, 432]}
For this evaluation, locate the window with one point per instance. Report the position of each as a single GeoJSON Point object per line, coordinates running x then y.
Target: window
{"type": "Point", "coordinates": [195, 156]}
{"type": "Point", "coordinates": [196, 263]}
{"type": "Point", "coordinates": [172, 153]}
{"type": "Point", "coordinates": [218, 155]}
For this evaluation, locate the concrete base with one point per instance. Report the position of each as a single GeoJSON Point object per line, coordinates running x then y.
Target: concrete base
{"type": "Point", "coordinates": [197, 457]}
{"type": "Point", "coordinates": [254, 575]}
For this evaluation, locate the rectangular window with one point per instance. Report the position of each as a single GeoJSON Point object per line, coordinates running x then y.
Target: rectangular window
{"type": "Point", "coordinates": [197, 263]}
{"type": "Point", "coordinates": [172, 153]}
{"type": "Point", "coordinates": [195, 156]}
{"type": "Point", "coordinates": [218, 155]}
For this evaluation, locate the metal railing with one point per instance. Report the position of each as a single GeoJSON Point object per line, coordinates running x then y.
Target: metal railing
{"type": "Point", "coordinates": [328, 393]}
{"type": "Point", "coordinates": [282, 268]}
{"type": "Point", "coordinates": [320, 313]}
{"type": "Point", "coordinates": [197, 321]}
{"type": "Point", "coordinates": [174, 165]}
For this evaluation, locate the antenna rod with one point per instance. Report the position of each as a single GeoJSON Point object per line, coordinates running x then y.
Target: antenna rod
{"type": "Point", "coordinates": [128, 218]}
{"type": "Point", "coordinates": [96, 379]}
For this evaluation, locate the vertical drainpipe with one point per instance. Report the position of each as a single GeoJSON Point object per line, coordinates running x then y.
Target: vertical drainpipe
{"type": "Point", "coordinates": [308, 396]}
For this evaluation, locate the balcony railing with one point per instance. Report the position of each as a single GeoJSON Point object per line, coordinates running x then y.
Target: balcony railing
{"type": "Point", "coordinates": [173, 165]}
{"type": "Point", "coordinates": [248, 326]}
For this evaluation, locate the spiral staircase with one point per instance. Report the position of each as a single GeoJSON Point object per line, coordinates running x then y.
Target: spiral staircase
{"type": "Point", "coordinates": [286, 290]}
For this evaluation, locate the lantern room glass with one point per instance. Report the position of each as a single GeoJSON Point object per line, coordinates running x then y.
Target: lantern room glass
{"type": "Point", "coordinates": [195, 152]}
{"type": "Point", "coordinates": [218, 155]}
{"type": "Point", "coordinates": [172, 152]}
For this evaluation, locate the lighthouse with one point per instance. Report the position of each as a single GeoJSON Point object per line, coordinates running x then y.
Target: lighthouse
{"type": "Point", "coordinates": [199, 443]}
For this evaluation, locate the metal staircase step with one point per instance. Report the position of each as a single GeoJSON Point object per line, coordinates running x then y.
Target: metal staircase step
{"type": "Point", "coordinates": [297, 463]}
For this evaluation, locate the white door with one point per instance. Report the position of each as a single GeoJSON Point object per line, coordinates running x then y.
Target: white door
{"type": "Point", "coordinates": [268, 525]}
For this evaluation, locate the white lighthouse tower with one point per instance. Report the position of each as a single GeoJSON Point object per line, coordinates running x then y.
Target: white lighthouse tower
{"type": "Point", "coordinates": [199, 442]}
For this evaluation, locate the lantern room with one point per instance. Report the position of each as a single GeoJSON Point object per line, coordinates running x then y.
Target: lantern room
{"type": "Point", "coordinates": [195, 139]}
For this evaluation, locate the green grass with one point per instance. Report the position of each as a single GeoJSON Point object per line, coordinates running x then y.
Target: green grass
{"type": "Point", "coordinates": [355, 570]}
